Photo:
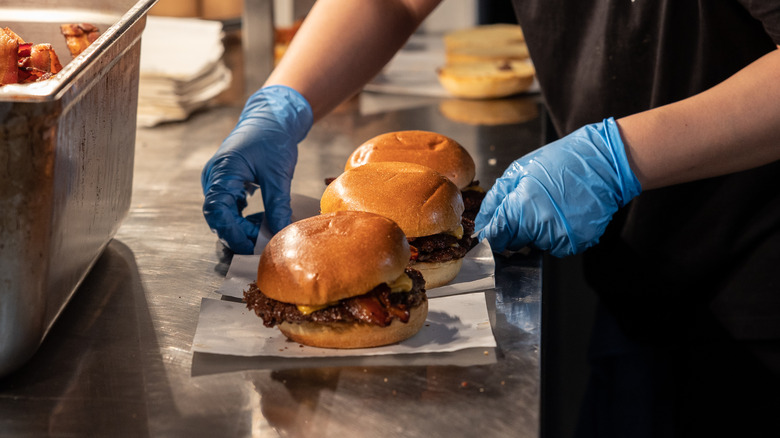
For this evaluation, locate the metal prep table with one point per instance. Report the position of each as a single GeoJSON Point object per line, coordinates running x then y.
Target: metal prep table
{"type": "Point", "coordinates": [118, 361]}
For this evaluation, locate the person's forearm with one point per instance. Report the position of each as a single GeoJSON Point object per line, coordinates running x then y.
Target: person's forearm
{"type": "Point", "coordinates": [343, 44]}
{"type": "Point", "coordinates": [731, 127]}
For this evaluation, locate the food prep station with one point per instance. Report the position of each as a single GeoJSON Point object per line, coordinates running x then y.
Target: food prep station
{"type": "Point", "coordinates": [118, 360]}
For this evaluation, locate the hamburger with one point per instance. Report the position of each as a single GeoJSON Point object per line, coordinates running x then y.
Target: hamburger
{"type": "Point", "coordinates": [437, 151]}
{"type": "Point", "coordinates": [426, 205]}
{"type": "Point", "coordinates": [339, 280]}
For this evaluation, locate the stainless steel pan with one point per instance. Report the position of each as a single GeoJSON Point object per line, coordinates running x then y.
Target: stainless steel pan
{"type": "Point", "coordinates": [66, 162]}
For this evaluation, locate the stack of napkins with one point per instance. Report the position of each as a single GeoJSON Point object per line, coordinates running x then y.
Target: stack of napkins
{"type": "Point", "coordinates": [182, 68]}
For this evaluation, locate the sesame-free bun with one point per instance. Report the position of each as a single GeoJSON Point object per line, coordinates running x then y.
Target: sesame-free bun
{"type": "Point", "coordinates": [420, 200]}
{"type": "Point", "coordinates": [490, 112]}
{"type": "Point", "coordinates": [329, 257]}
{"type": "Point", "coordinates": [462, 55]}
{"type": "Point", "coordinates": [486, 35]}
{"type": "Point", "coordinates": [486, 80]}
{"type": "Point", "coordinates": [352, 335]}
{"type": "Point", "coordinates": [431, 149]}
{"type": "Point", "coordinates": [438, 273]}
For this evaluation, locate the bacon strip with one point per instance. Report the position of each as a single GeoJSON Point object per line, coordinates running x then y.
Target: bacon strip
{"type": "Point", "coordinates": [43, 58]}
{"type": "Point", "coordinates": [79, 36]}
{"type": "Point", "coordinates": [9, 49]}
{"type": "Point", "coordinates": [22, 62]}
{"type": "Point", "coordinates": [368, 309]}
{"type": "Point", "coordinates": [379, 306]}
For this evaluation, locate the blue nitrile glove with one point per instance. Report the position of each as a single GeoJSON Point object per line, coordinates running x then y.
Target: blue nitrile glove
{"type": "Point", "coordinates": [560, 197]}
{"type": "Point", "coordinates": [260, 151]}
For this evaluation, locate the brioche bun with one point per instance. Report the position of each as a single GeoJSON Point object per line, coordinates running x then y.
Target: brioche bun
{"type": "Point", "coordinates": [486, 80]}
{"type": "Point", "coordinates": [487, 35]}
{"type": "Point", "coordinates": [436, 151]}
{"type": "Point", "coordinates": [438, 273]}
{"type": "Point", "coordinates": [511, 52]}
{"type": "Point", "coordinates": [490, 112]}
{"type": "Point", "coordinates": [326, 258]}
{"type": "Point", "coordinates": [351, 335]}
{"type": "Point", "coordinates": [417, 198]}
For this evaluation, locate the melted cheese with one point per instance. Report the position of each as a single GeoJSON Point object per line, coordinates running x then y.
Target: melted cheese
{"type": "Point", "coordinates": [457, 232]}
{"type": "Point", "coordinates": [473, 189]}
{"type": "Point", "coordinates": [400, 284]}
{"type": "Point", "coordinates": [310, 309]}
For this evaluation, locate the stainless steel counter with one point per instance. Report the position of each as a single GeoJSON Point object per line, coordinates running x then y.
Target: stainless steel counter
{"type": "Point", "coordinates": [118, 361]}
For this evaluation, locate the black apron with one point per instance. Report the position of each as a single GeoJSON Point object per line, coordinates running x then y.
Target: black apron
{"type": "Point", "coordinates": [688, 276]}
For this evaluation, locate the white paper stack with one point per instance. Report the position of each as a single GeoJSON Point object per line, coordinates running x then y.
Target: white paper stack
{"type": "Point", "coordinates": [182, 68]}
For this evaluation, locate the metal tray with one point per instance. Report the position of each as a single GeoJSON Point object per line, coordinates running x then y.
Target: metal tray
{"type": "Point", "coordinates": [66, 162]}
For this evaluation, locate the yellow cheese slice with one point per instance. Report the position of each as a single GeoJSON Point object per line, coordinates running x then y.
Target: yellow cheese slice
{"type": "Point", "coordinates": [457, 232]}
{"type": "Point", "coordinates": [400, 284]}
{"type": "Point", "coordinates": [310, 309]}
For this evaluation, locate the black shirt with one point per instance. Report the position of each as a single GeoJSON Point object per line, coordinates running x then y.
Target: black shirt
{"type": "Point", "coordinates": [699, 255]}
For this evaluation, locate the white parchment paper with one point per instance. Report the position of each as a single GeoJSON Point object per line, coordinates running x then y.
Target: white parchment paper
{"type": "Point", "coordinates": [454, 323]}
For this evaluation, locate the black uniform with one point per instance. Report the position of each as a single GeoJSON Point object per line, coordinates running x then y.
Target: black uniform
{"type": "Point", "coordinates": [689, 275]}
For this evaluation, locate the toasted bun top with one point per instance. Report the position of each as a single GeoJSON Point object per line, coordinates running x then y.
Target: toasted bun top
{"type": "Point", "coordinates": [419, 199]}
{"type": "Point", "coordinates": [486, 35]}
{"type": "Point", "coordinates": [436, 151]}
{"type": "Point", "coordinates": [330, 257]}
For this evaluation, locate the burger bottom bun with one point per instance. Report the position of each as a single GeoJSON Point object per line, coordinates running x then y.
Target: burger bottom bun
{"type": "Point", "coordinates": [486, 80]}
{"type": "Point", "coordinates": [438, 273]}
{"type": "Point", "coordinates": [491, 112]}
{"type": "Point", "coordinates": [356, 335]}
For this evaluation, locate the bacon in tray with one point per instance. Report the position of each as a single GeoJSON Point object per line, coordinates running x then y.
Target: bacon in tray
{"type": "Point", "coordinates": [79, 36]}
{"type": "Point", "coordinates": [22, 62]}
{"type": "Point", "coordinates": [9, 46]}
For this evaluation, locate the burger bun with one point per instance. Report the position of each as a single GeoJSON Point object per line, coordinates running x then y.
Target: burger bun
{"type": "Point", "coordinates": [329, 257]}
{"type": "Point", "coordinates": [438, 273]}
{"type": "Point", "coordinates": [356, 335]}
{"type": "Point", "coordinates": [417, 198]}
{"type": "Point", "coordinates": [437, 151]}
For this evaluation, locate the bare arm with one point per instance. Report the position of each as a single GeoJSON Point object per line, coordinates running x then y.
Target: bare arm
{"type": "Point", "coordinates": [343, 44]}
{"type": "Point", "coordinates": [731, 127]}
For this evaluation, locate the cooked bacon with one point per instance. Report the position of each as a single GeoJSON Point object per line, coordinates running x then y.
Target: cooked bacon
{"type": "Point", "coordinates": [415, 252]}
{"type": "Point", "coordinates": [13, 34]}
{"type": "Point", "coordinates": [25, 50]}
{"type": "Point", "coordinates": [23, 62]}
{"type": "Point", "coordinates": [395, 310]}
{"type": "Point", "coordinates": [43, 57]}
{"type": "Point", "coordinates": [9, 49]}
{"type": "Point", "coordinates": [368, 309]}
{"type": "Point", "coordinates": [40, 63]}
{"type": "Point", "coordinates": [79, 36]}
{"type": "Point", "coordinates": [379, 306]}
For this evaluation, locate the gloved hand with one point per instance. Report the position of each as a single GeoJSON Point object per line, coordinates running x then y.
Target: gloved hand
{"type": "Point", "coordinates": [260, 151]}
{"type": "Point", "coordinates": [560, 197]}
